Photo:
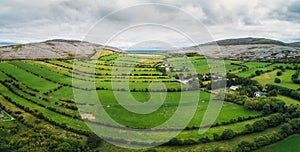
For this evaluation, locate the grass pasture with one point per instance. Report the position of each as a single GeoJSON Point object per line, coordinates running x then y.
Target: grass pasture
{"type": "Point", "coordinates": [45, 91]}
{"type": "Point", "coordinates": [268, 78]}
{"type": "Point", "coordinates": [28, 79]}
{"type": "Point", "coordinates": [251, 72]}
{"type": "Point", "coordinates": [288, 100]}
{"type": "Point", "coordinates": [229, 111]}
{"type": "Point", "coordinates": [290, 144]}
{"type": "Point", "coordinates": [256, 64]}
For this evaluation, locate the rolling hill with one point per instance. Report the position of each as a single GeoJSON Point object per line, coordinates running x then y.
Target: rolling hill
{"type": "Point", "coordinates": [51, 49]}
{"type": "Point", "coordinates": [245, 49]}
{"type": "Point", "coordinates": [249, 49]}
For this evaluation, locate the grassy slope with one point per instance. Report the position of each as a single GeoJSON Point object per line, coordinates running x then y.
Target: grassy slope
{"type": "Point", "coordinates": [288, 100]}
{"type": "Point", "coordinates": [27, 78]}
{"type": "Point", "coordinates": [268, 78]}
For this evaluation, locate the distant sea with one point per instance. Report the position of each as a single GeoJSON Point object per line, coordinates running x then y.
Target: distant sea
{"type": "Point", "coordinates": [6, 43]}
{"type": "Point", "coordinates": [142, 51]}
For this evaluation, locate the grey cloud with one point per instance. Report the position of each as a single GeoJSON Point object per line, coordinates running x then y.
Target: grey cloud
{"type": "Point", "coordinates": [33, 20]}
{"type": "Point", "coordinates": [291, 13]}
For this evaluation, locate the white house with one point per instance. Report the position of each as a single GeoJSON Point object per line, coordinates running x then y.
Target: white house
{"type": "Point", "coordinates": [258, 94]}
{"type": "Point", "coordinates": [233, 88]}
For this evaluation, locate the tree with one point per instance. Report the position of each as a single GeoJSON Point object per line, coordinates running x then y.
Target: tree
{"type": "Point", "coordinates": [258, 72]}
{"type": "Point", "coordinates": [279, 73]}
{"type": "Point", "coordinates": [248, 129]}
{"type": "Point", "coordinates": [4, 146]}
{"type": "Point", "coordinates": [295, 76]}
{"type": "Point", "coordinates": [277, 80]}
{"type": "Point", "coordinates": [216, 137]}
{"type": "Point", "coordinates": [267, 109]}
{"type": "Point", "coordinates": [204, 139]}
{"type": "Point", "coordinates": [93, 141]}
{"type": "Point", "coordinates": [261, 141]}
{"type": "Point", "coordinates": [286, 129]}
{"type": "Point", "coordinates": [273, 92]}
{"type": "Point", "coordinates": [277, 106]}
{"type": "Point", "coordinates": [250, 104]}
{"type": "Point", "coordinates": [65, 147]}
{"type": "Point", "coordinates": [227, 134]}
{"type": "Point", "coordinates": [246, 146]}
{"type": "Point", "coordinates": [259, 125]}
{"type": "Point", "coordinates": [151, 150]}
{"type": "Point", "coordinates": [218, 149]}
{"type": "Point", "coordinates": [275, 120]}
{"type": "Point", "coordinates": [295, 124]}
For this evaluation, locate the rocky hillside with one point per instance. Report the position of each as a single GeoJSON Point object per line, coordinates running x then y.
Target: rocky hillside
{"type": "Point", "coordinates": [250, 49]}
{"type": "Point", "coordinates": [247, 49]}
{"type": "Point", "coordinates": [52, 49]}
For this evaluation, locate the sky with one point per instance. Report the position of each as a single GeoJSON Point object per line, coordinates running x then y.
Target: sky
{"type": "Point", "coordinates": [143, 23]}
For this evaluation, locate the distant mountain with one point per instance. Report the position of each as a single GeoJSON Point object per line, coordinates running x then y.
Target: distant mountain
{"type": "Point", "coordinates": [246, 41]}
{"type": "Point", "coordinates": [51, 49]}
{"type": "Point", "coordinates": [249, 49]}
{"type": "Point", "coordinates": [296, 44]}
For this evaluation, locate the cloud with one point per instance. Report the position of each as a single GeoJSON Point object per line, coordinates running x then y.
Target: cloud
{"type": "Point", "coordinates": [32, 20]}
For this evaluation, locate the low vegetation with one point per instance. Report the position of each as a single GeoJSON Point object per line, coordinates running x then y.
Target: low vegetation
{"type": "Point", "coordinates": [39, 95]}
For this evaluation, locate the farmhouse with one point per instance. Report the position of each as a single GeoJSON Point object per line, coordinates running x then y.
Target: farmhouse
{"type": "Point", "coordinates": [257, 94]}
{"type": "Point", "coordinates": [233, 88]}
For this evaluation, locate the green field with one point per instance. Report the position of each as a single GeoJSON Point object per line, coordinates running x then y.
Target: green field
{"type": "Point", "coordinates": [288, 100]}
{"type": "Point", "coordinates": [289, 144]}
{"type": "Point", "coordinates": [56, 97]}
{"type": "Point", "coordinates": [269, 77]}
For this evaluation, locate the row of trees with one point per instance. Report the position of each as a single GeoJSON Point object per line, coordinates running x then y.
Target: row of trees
{"type": "Point", "coordinates": [293, 126]}
{"type": "Point", "coordinates": [248, 86]}
{"type": "Point", "coordinates": [80, 72]}
{"type": "Point", "coordinates": [101, 88]}
{"type": "Point", "coordinates": [41, 139]}
{"type": "Point", "coordinates": [33, 92]}
{"type": "Point", "coordinates": [265, 104]}
{"type": "Point", "coordinates": [51, 108]}
{"type": "Point", "coordinates": [61, 84]}
{"type": "Point", "coordinates": [156, 90]}
{"type": "Point", "coordinates": [284, 91]}
{"type": "Point", "coordinates": [258, 126]}
{"type": "Point", "coordinates": [260, 72]}
{"type": "Point", "coordinates": [41, 116]}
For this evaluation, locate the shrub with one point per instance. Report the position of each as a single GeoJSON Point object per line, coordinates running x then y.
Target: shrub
{"type": "Point", "coordinates": [93, 141]}
{"type": "Point", "coordinates": [227, 134]}
{"type": "Point", "coordinates": [286, 130]}
{"type": "Point", "coordinates": [277, 80]}
{"type": "Point", "coordinates": [273, 92]}
{"type": "Point", "coordinates": [261, 141]}
{"type": "Point", "coordinates": [259, 125]}
{"type": "Point", "coordinates": [204, 139]}
{"type": "Point", "coordinates": [244, 146]}
{"type": "Point", "coordinates": [216, 137]}
{"type": "Point", "coordinates": [279, 73]}
{"type": "Point", "coordinates": [248, 129]}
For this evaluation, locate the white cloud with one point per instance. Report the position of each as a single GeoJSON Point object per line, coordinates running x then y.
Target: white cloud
{"type": "Point", "coordinates": [33, 20]}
